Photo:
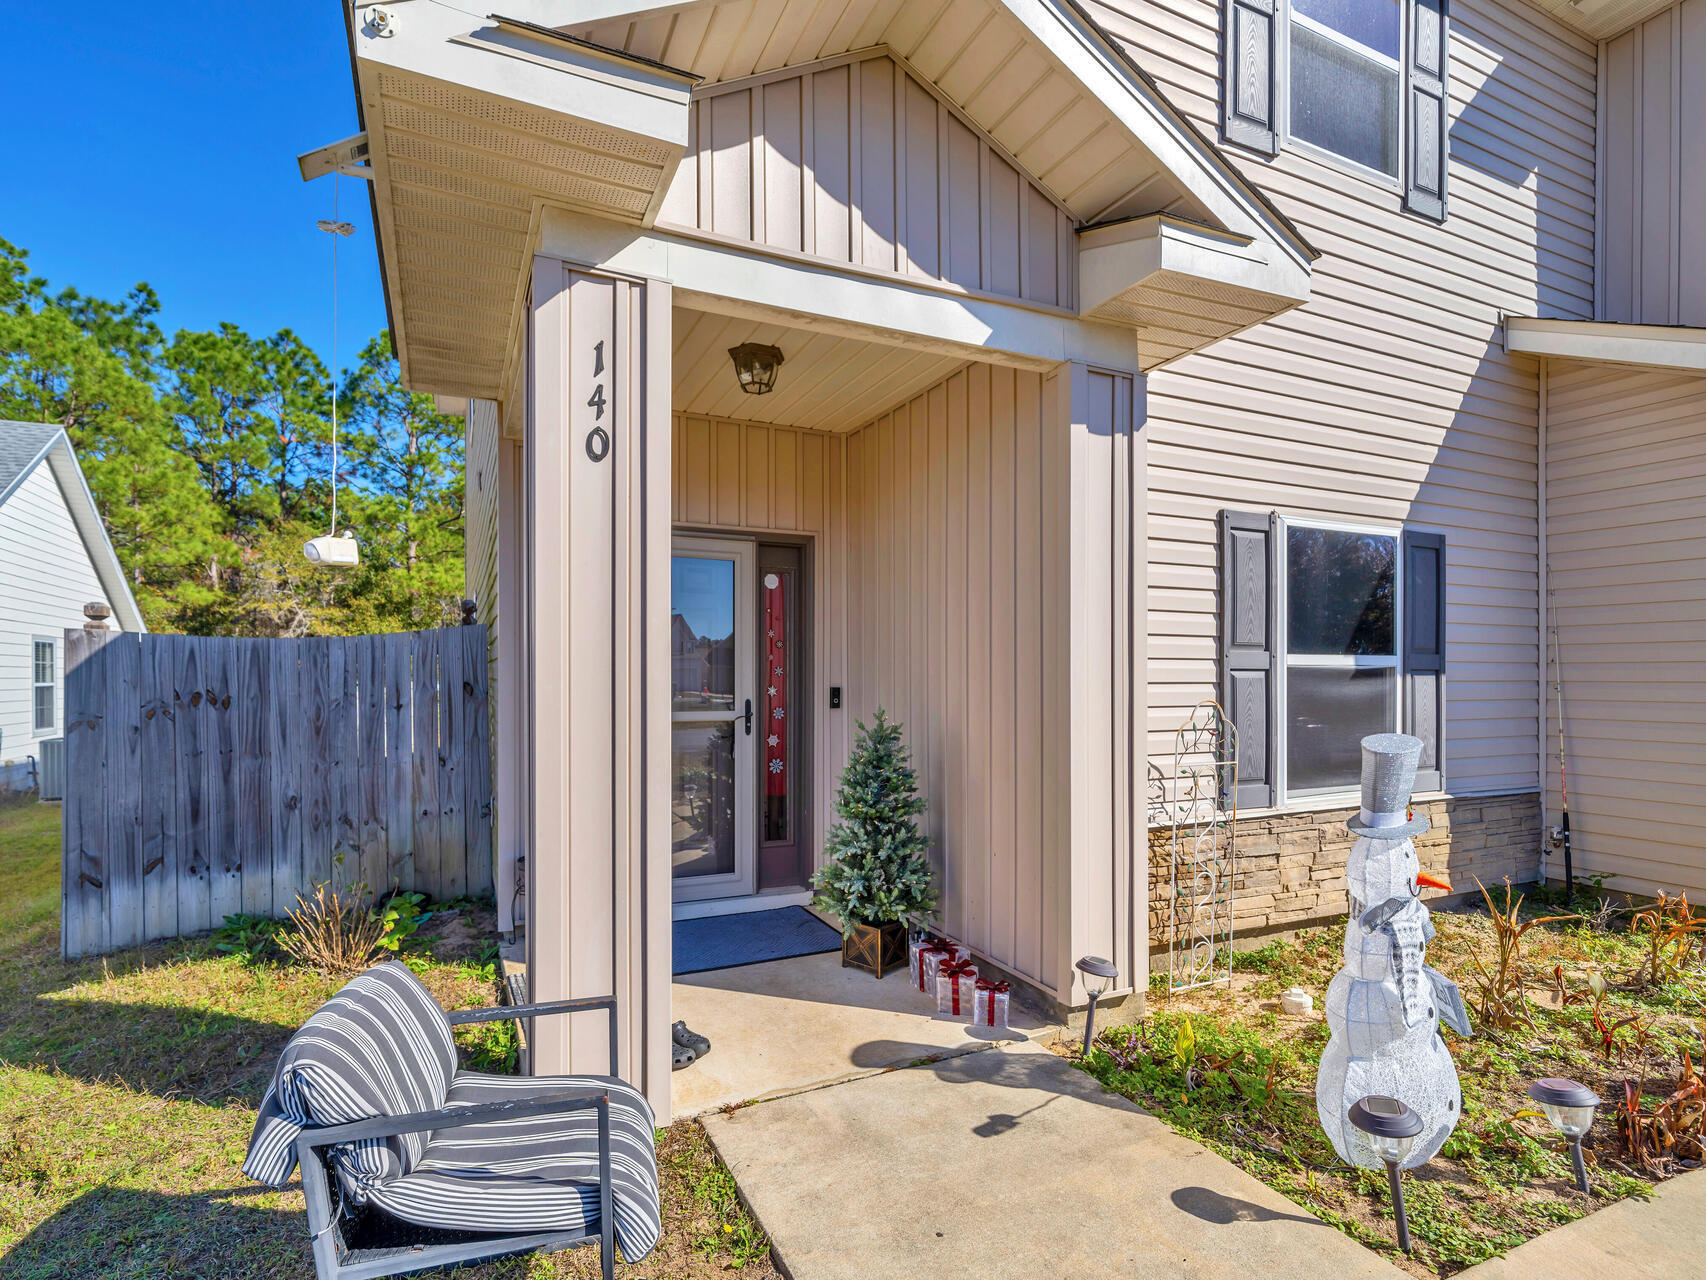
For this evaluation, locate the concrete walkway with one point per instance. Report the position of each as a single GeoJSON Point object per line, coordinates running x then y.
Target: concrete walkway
{"type": "Point", "coordinates": [1009, 1164]}
{"type": "Point", "coordinates": [787, 1025]}
{"type": "Point", "coordinates": [1658, 1239]}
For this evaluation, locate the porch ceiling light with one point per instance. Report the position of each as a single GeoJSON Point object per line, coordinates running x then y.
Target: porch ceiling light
{"type": "Point", "coordinates": [1095, 967]}
{"type": "Point", "coordinates": [1391, 1128]}
{"type": "Point", "coordinates": [1569, 1106]}
{"type": "Point", "coordinates": [755, 366]}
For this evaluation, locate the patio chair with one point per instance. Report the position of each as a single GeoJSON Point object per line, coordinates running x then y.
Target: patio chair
{"type": "Point", "coordinates": [409, 1163]}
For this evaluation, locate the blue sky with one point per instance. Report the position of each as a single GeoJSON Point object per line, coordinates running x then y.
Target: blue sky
{"type": "Point", "coordinates": [159, 143]}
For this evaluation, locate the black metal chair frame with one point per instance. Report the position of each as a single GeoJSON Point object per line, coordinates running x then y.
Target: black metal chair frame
{"type": "Point", "coordinates": [334, 1262]}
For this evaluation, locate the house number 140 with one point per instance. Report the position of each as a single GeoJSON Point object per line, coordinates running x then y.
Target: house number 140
{"type": "Point", "coordinates": [598, 439]}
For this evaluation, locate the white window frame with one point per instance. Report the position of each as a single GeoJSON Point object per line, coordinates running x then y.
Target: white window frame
{"type": "Point", "coordinates": [1282, 108]}
{"type": "Point", "coordinates": [39, 730]}
{"type": "Point", "coordinates": [1280, 750]}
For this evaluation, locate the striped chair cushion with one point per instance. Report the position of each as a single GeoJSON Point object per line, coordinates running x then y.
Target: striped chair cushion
{"type": "Point", "coordinates": [380, 1047]}
{"type": "Point", "coordinates": [538, 1173]}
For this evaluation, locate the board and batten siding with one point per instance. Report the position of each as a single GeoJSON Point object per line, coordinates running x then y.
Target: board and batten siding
{"type": "Point", "coordinates": [1653, 189]}
{"type": "Point", "coordinates": [755, 480]}
{"type": "Point", "coordinates": [1626, 547]}
{"type": "Point", "coordinates": [860, 162]}
{"type": "Point", "coordinates": [46, 578]}
{"type": "Point", "coordinates": [1388, 397]}
{"type": "Point", "coordinates": [967, 622]}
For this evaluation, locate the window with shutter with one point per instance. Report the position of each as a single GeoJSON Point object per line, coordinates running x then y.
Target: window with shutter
{"type": "Point", "coordinates": [1329, 633]}
{"type": "Point", "coordinates": [1360, 82]}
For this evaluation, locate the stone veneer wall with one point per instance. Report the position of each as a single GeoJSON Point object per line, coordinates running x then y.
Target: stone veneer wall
{"type": "Point", "coordinates": [1291, 866]}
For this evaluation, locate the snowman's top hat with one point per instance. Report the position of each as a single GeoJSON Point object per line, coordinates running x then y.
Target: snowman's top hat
{"type": "Point", "coordinates": [1389, 763]}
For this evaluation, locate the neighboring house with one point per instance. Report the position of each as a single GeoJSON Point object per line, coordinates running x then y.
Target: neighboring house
{"type": "Point", "coordinates": [1132, 356]}
{"type": "Point", "coordinates": [54, 559]}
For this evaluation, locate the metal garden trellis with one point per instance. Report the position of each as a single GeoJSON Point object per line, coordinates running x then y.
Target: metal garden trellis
{"type": "Point", "coordinates": [1203, 805]}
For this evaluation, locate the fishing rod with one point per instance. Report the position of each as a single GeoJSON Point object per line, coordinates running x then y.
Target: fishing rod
{"type": "Point", "coordinates": [1563, 831]}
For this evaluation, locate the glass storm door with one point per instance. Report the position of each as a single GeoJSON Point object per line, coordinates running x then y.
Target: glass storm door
{"type": "Point", "coordinates": [712, 713]}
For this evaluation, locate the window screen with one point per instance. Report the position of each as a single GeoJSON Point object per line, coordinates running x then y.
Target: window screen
{"type": "Point", "coordinates": [43, 685]}
{"type": "Point", "coordinates": [1345, 75]}
{"type": "Point", "coordinates": [1341, 658]}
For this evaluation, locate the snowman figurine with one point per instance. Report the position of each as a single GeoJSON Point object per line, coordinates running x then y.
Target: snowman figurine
{"type": "Point", "coordinates": [1385, 1006]}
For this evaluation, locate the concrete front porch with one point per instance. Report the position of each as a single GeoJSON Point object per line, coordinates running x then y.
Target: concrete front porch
{"type": "Point", "coordinates": [786, 1026]}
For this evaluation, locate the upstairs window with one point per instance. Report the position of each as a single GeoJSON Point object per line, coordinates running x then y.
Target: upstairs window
{"type": "Point", "coordinates": [1345, 79]}
{"type": "Point", "coordinates": [1360, 82]}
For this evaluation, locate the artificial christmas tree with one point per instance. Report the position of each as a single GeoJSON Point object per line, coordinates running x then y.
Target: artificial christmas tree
{"type": "Point", "coordinates": [875, 871]}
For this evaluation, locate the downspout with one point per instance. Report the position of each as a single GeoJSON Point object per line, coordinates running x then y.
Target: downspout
{"type": "Point", "coordinates": [1541, 612]}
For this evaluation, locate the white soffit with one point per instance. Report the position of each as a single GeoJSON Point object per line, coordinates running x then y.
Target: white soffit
{"type": "Point", "coordinates": [472, 124]}
{"type": "Point", "coordinates": [826, 382]}
{"type": "Point", "coordinates": [1651, 346]}
{"type": "Point", "coordinates": [1601, 19]}
{"type": "Point", "coordinates": [1037, 76]}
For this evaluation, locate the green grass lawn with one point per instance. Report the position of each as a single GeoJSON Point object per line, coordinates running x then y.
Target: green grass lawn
{"type": "Point", "coordinates": [128, 1087]}
{"type": "Point", "coordinates": [1226, 1067]}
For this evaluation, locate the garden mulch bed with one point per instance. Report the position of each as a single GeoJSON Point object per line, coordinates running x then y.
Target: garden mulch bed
{"type": "Point", "coordinates": [1227, 1067]}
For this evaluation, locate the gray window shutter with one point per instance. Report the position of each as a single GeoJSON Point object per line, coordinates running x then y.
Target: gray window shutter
{"type": "Point", "coordinates": [1249, 648]}
{"type": "Point", "coordinates": [1249, 45]}
{"type": "Point", "coordinates": [1424, 653]}
{"type": "Point", "coordinates": [1428, 108]}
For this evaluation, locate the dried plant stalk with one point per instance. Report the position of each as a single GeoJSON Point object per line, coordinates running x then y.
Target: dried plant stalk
{"type": "Point", "coordinates": [334, 931]}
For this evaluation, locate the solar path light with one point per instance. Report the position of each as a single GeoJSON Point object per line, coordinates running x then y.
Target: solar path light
{"type": "Point", "coordinates": [1569, 1106]}
{"type": "Point", "coordinates": [1095, 967]}
{"type": "Point", "coordinates": [1391, 1129]}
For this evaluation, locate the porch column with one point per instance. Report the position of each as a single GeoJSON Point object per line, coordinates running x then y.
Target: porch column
{"type": "Point", "coordinates": [598, 548]}
{"type": "Point", "coordinates": [1095, 508]}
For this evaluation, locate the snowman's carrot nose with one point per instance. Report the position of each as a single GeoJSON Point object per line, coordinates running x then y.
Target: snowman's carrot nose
{"type": "Point", "coordinates": [1423, 878]}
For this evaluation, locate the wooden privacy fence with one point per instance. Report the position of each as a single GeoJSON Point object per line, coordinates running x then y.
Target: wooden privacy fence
{"type": "Point", "coordinates": [211, 776]}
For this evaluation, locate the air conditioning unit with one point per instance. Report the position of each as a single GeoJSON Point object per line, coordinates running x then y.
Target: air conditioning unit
{"type": "Point", "coordinates": [53, 769]}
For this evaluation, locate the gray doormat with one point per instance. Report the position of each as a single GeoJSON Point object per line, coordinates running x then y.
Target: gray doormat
{"type": "Point", "coordinates": [726, 942]}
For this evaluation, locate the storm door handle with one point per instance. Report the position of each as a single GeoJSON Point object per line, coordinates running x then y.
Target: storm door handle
{"type": "Point", "coordinates": [749, 717]}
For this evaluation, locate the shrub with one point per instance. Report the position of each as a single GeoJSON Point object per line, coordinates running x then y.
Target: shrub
{"type": "Point", "coordinates": [334, 930]}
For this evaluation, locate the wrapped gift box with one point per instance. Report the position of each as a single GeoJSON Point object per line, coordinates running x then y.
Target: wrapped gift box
{"type": "Point", "coordinates": [927, 955]}
{"type": "Point", "coordinates": [989, 1003]}
{"type": "Point", "coordinates": [955, 982]}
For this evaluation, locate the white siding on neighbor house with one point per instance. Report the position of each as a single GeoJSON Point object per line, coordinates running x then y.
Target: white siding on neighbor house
{"type": "Point", "coordinates": [1388, 397]}
{"type": "Point", "coordinates": [1653, 190]}
{"type": "Point", "coordinates": [1626, 549]}
{"type": "Point", "coordinates": [45, 580]}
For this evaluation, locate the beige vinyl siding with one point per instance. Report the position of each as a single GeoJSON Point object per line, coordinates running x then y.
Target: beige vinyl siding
{"type": "Point", "coordinates": [1653, 258]}
{"type": "Point", "coordinates": [755, 479]}
{"type": "Point", "coordinates": [945, 631]}
{"type": "Point", "coordinates": [1626, 548]}
{"type": "Point", "coordinates": [990, 562]}
{"type": "Point", "coordinates": [1388, 397]}
{"type": "Point", "coordinates": [861, 162]}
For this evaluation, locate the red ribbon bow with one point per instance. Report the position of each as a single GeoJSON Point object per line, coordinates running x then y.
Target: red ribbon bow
{"type": "Point", "coordinates": [953, 971]}
{"type": "Point", "coordinates": [993, 988]}
{"type": "Point", "coordinates": [935, 946]}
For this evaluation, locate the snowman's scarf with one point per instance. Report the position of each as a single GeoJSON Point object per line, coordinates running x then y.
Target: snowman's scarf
{"type": "Point", "coordinates": [1409, 933]}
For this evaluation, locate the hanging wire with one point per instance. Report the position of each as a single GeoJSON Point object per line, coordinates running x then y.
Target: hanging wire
{"type": "Point", "coordinates": [337, 183]}
{"type": "Point", "coordinates": [338, 229]}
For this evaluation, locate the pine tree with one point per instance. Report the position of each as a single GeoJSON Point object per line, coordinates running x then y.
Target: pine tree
{"type": "Point", "coordinates": [876, 869]}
